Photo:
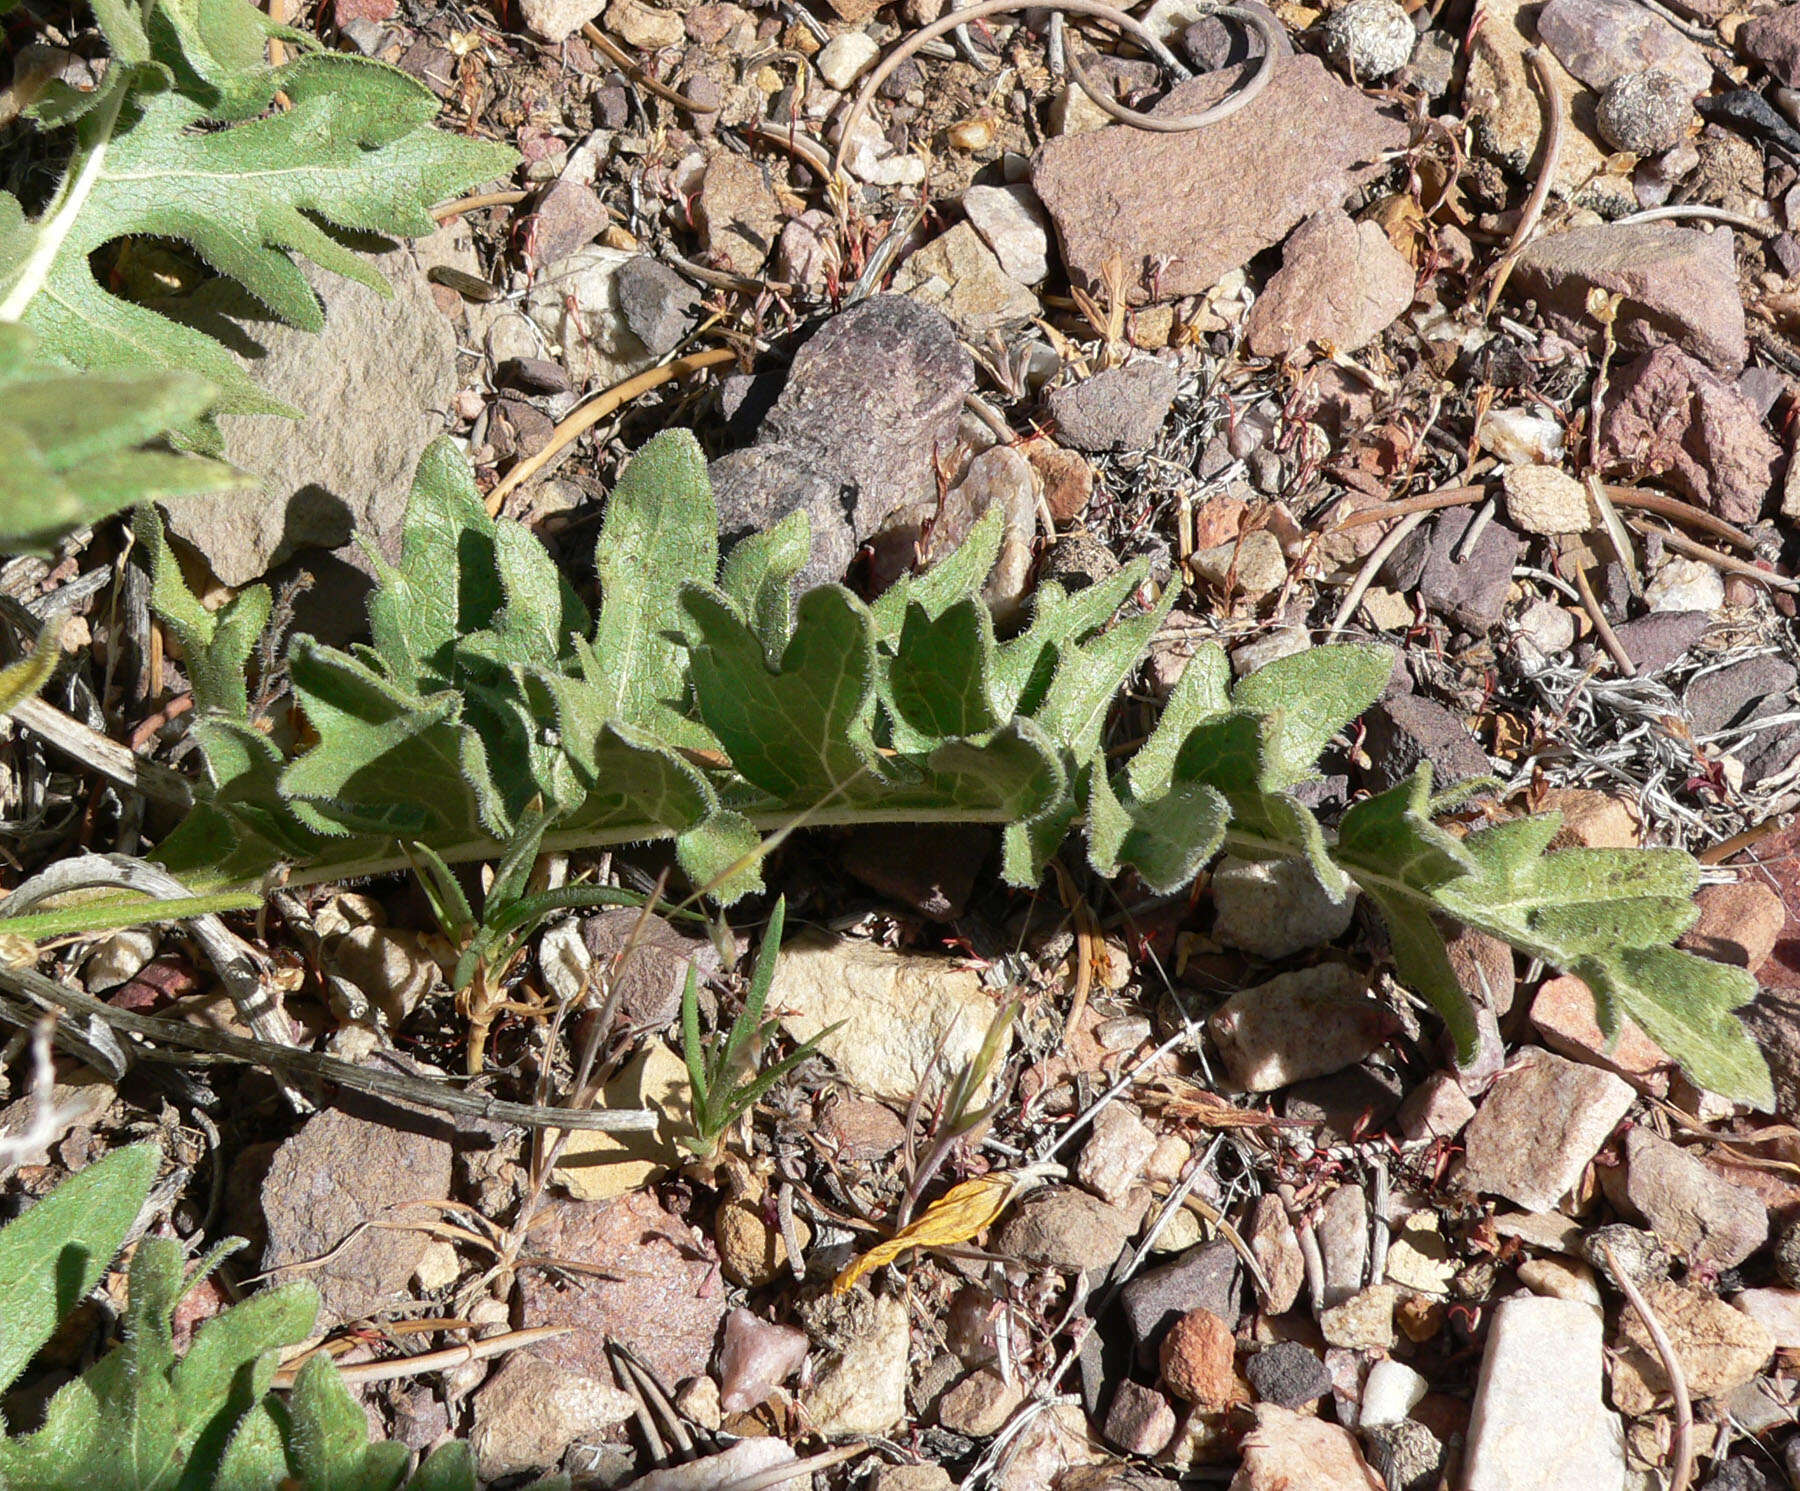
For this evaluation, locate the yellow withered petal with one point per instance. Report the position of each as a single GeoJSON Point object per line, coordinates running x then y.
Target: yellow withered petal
{"type": "Point", "coordinates": [958, 1215]}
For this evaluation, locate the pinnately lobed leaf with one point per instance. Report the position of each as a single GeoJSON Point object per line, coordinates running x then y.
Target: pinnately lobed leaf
{"type": "Point", "coordinates": [709, 709]}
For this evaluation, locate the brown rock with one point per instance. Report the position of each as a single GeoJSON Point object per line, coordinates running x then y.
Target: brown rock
{"type": "Point", "coordinates": [647, 960]}
{"type": "Point", "coordinates": [979, 1405]}
{"type": "Point", "coordinates": [1538, 1127]}
{"type": "Point", "coordinates": [1566, 1017]}
{"type": "Point", "coordinates": [1719, 1348]}
{"type": "Point", "coordinates": [1774, 41]}
{"type": "Point", "coordinates": [1680, 287]}
{"type": "Point", "coordinates": [958, 274]}
{"type": "Point", "coordinates": [1067, 477]}
{"type": "Point", "coordinates": [529, 1413]}
{"type": "Point", "coordinates": [1140, 1420]}
{"type": "Point", "coordinates": [1289, 1451]}
{"type": "Point", "coordinates": [1689, 1206]}
{"type": "Point", "coordinates": [1200, 205]}
{"type": "Point", "coordinates": [1739, 923]}
{"type": "Point", "coordinates": [568, 215]}
{"type": "Point", "coordinates": [339, 1173]}
{"type": "Point", "coordinates": [1060, 1227]}
{"type": "Point", "coordinates": [751, 1249]}
{"type": "Point", "coordinates": [1276, 1247]}
{"type": "Point", "coordinates": [658, 1292]}
{"type": "Point", "coordinates": [1197, 1358]}
{"type": "Point", "coordinates": [1364, 1322]}
{"type": "Point", "coordinates": [1669, 418]}
{"type": "Point", "coordinates": [1308, 1023]}
{"type": "Point", "coordinates": [1599, 40]}
{"type": "Point", "coordinates": [738, 214]}
{"type": "Point", "coordinates": [1590, 820]}
{"type": "Point", "coordinates": [1340, 282]}
{"type": "Point", "coordinates": [1437, 1108]}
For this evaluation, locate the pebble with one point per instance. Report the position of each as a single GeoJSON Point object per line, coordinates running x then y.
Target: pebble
{"type": "Point", "coordinates": [1140, 1420]}
{"type": "Point", "coordinates": [1406, 1455]}
{"type": "Point", "coordinates": [756, 1357]}
{"type": "Point", "coordinates": [1658, 640]}
{"type": "Point", "coordinates": [596, 1166]}
{"type": "Point", "coordinates": [1538, 1127]}
{"type": "Point", "coordinates": [1049, 1446]}
{"type": "Point", "coordinates": [529, 1413]}
{"type": "Point", "coordinates": [1547, 628]}
{"type": "Point", "coordinates": [1520, 438]}
{"type": "Point", "coordinates": [1288, 1451]}
{"type": "Point", "coordinates": [1739, 923]}
{"type": "Point", "coordinates": [1719, 1348]}
{"type": "Point", "coordinates": [1561, 1278]}
{"type": "Point", "coordinates": [1060, 1227]}
{"type": "Point", "coordinates": [1119, 409]}
{"type": "Point", "coordinates": [1364, 1322]}
{"type": "Point", "coordinates": [1407, 731]}
{"type": "Point", "coordinates": [1274, 908]}
{"type": "Point", "coordinates": [1544, 499]}
{"type": "Point", "coordinates": [1253, 565]}
{"type": "Point", "coordinates": [1437, 1108]}
{"type": "Point", "coordinates": [1117, 1151]}
{"type": "Point", "coordinates": [1197, 1359]}
{"type": "Point", "coordinates": [1307, 1023]}
{"type": "Point", "coordinates": [752, 1251]}
{"type": "Point", "coordinates": [1471, 591]}
{"type": "Point", "coordinates": [901, 1014]}
{"type": "Point", "coordinates": [863, 1388]}
{"type": "Point", "coordinates": [1787, 1253]}
{"type": "Point", "coordinates": [1774, 40]}
{"type": "Point", "coordinates": [649, 28]}
{"type": "Point", "coordinates": [1565, 1015]}
{"type": "Point", "coordinates": [1418, 1257]}
{"type": "Point", "coordinates": [1341, 282]}
{"type": "Point", "coordinates": [958, 274]}
{"type": "Point", "coordinates": [1276, 1247]}
{"type": "Point", "coordinates": [1643, 112]}
{"type": "Point", "coordinates": [1067, 477]}
{"type": "Point", "coordinates": [1599, 40]}
{"type": "Point", "coordinates": [1689, 1206]}
{"type": "Point", "coordinates": [1288, 1375]}
{"type": "Point", "coordinates": [657, 303]}
{"type": "Point", "coordinates": [1391, 1392]}
{"type": "Point", "coordinates": [912, 1478]}
{"type": "Point", "coordinates": [1206, 1277]}
{"type": "Point", "coordinates": [1778, 1310]}
{"type": "Point", "coordinates": [1370, 39]}
{"type": "Point", "coordinates": [1685, 585]}
{"type": "Point", "coordinates": [979, 1406]}
{"type": "Point", "coordinates": [575, 304]}
{"type": "Point", "coordinates": [1343, 1235]}
{"type": "Point", "coordinates": [737, 213]}
{"type": "Point", "coordinates": [844, 59]}
{"type": "Point", "coordinates": [1538, 1422]}
{"type": "Point", "coordinates": [555, 20]}
{"type": "Point", "coordinates": [1012, 222]}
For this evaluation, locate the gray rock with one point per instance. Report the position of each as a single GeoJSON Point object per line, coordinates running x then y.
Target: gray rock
{"type": "Point", "coordinates": [1120, 409]}
{"type": "Point", "coordinates": [340, 1172]}
{"type": "Point", "coordinates": [1738, 693]}
{"type": "Point", "coordinates": [1409, 730]}
{"type": "Point", "coordinates": [1643, 112]}
{"type": "Point", "coordinates": [870, 406]}
{"type": "Point", "coordinates": [1598, 40]}
{"type": "Point", "coordinates": [1538, 1127]}
{"type": "Point", "coordinates": [1015, 227]}
{"type": "Point", "coordinates": [1787, 1254]}
{"type": "Point", "coordinates": [1406, 1455]}
{"type": "Point", "coordinates": [1276, 907]}
{"type": "Point", "coordinates": [1370, 39]}
{"type": "Point", "coordinates": [1078, 560]}
{"type": "Point", "coordinates": [649, 977]}
{"type": "Point", "coordinates": [1065, 1228]}
{"type": "Point", "coordinates": [1472, 591]}
{"type": "Point", "coordinates": [1208, 1277]}
{"type": "Point", "coordinates": [1689, 1206]}
{"type": "Point", "coordinates": [659, 305]}
{"type": "Point", "coordinates": [1740, 1475]}
{"type": "Point", "coordinates": [372, 387]}
{"type": "Point", "coordinates": [1288, 1375]}
{"type": "Point", "coordinates": [529, 1413]}
{"type": "Point", "coordinates": [1140, 1420]}
{"type": "Point", "coordinates": [1343, 1233]}
{"type": "Point", "coordinates": [568, 216]}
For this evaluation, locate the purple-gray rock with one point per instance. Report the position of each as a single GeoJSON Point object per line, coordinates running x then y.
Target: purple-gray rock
{"type": "Point", "coordinates": [1120, 409]}
{"type": "Point", "coordinates": [1662, 638]}
{"type": "Point", "coordinates": [1408, 729]}
{"type": "Point", "coordinates": [1140, 1421]}
{"type": "Point", "coordinates": [1471, 592]}
{"type": "Point", "coordinates": [1774, 41]}
{"type": "Point", "coordinates": [1739, 693]}
{"type": "Point", "coordinates": [1288, 1375]}
{"type": "Point", "coordinates": [568, 216]}
{"type": "Point", "coordinates": [870, 406]}
{"type": "Point", "coordinates": [1204, 1278]}
{"type": "Point", "coordinates": [1597, 40]}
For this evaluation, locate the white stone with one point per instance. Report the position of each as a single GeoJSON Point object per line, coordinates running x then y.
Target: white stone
{"type": "Point", "coordinates": [1538, 1422]}
{"type": "Point", "coordinates": [1013, 222]}
{"type": "Point", "coordinates": [1776, 1310]}
{"type": "Point", "coordinates": [1117, 1153]}
{"type": "Point", "coordinates": [1547, 629]}
{"type": "Point", "coordinates": [646, 27]}
{"type": "Point", "coordinates": [864, 1390]}
{"type": "Point", "coordinates": [438, 1269]}
{"type": "Point", "coordinates": [1274, 908]}
{"type": "Point", "coordinates": [576, 303]}
{"type": "Point", "coordinates": [1517, 437]}
{"type": "Point", "coordinates": [1392, 1391]}
{"type": "Point", "coordinates": [844, 59]}
{"type": "Point", "coordinates": [1686, 585]}
{"type": "Point", "coordinates": [902, 1013]}
{"type": "Point", "coordinates": [118, 959]}
{"type": "Point", "coordinates": [1561, 1278]}
{"type": "Point", "coordinates": [556, 19]}
{"type": "Point", "coordinates": [1273, 645]}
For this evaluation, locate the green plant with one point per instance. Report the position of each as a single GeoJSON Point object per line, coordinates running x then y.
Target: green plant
{"type": "Point", "coordinates": [144, 1419]}
{"type": "Point", "coordinates": [250, 164]}
{"type": "Point", "coordinates": [717, 1071]}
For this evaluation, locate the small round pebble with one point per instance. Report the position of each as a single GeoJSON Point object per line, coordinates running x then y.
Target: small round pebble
{"type": "Point", "coordinates": [844, 59]}
{"type": "Point", "coordinates": [1288, 1375]}
{"type": "Point", "coordinates": [1542, 499]}
{"type": "Point", "coordinates": [1370, 39]}
{"type": "Point", "coordinates": [1643, 112]}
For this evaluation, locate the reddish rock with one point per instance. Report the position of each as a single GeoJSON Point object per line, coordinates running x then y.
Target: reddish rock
{"type": "Point", "coordinates": [1774, 41]}
{"type": "Point", "coordinates": [656, 1288]}
{"type": "Point", "coordinates": [1679, 285]}
{"type": "Point", "coordinates": [1739, 923]}
{"type": "Point", "coordinates": [1140, 1421]}
{"type": "Point", "coordinates": [1599, 40]}
{"type": "Point", "coordinates": [1669, 418]}
{"type": "Point", "coordinates": [1197, 1356]}
{"type": "Point", "coordinates": [1067, 477]}
{"type": "Point", "coordinates": [345, 11]}
{"type": "Point", "coordinates": [1565, 1016]}
{"type": "Point", "coordinates": [1340, 282]}
{"type": "Point", "coordinates": [568, 216]}
{"type": "Point", "coordinates": [1199, 205]}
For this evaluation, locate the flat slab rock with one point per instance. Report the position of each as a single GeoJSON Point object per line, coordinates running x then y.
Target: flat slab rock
{"type": "Point", "coordinates": [1340, 282]}
{"type": "Point", "coordinates": [1201, 205]}
{"type": "Point", "coordinates": [1680, 287]}
{"type": "Point", "coordinates": [1539, 1125]}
